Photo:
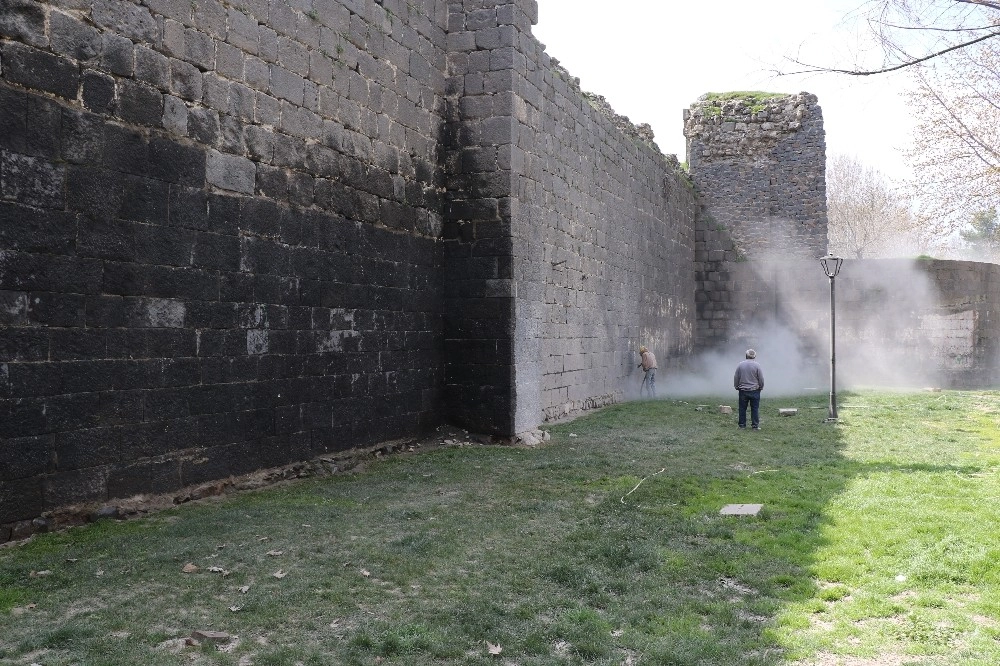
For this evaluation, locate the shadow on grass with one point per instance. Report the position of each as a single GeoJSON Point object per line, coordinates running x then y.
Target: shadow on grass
{"type": "Point", "coordinates": [603, 547]}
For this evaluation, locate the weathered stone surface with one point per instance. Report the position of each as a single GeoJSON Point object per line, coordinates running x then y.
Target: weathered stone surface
{"type": "Point", "coordinates": [230, 172]}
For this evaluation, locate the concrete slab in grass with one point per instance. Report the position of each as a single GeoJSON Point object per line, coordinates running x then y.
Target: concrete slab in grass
{"type": "Point", "coordinates": [741, 509]}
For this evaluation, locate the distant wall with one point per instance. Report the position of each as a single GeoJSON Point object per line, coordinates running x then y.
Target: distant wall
{"type": "Point", "coordinates": [604, 235]}
{"type": "Point", "coordinates": [569, 236]}
{"type": "Point", "coordinates": [907, 323]}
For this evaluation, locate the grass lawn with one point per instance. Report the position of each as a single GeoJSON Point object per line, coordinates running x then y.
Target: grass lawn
{"type": "Point", "coordinates": [879, 543]}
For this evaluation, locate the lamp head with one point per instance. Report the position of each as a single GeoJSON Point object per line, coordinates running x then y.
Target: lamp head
{"type": "Point", "coordinates": [831, 265]}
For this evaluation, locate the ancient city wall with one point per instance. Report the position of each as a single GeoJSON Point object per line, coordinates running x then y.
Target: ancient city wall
{"type": "Point", "coordinates": [239, 234]}
{"type": "Point", "coordinates": [218, 226]}
{"type": "Point", "coordinates": [605, 237]}
{"type": "Point", "coordinates": [569, 235]}
{"type": "Point", "coordinates": [920, 322]}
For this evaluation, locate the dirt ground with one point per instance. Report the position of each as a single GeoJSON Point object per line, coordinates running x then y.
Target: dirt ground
{"type": "Point", "coordinates": [355, 460]}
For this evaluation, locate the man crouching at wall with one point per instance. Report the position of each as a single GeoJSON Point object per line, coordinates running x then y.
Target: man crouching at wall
{"type": "Point", "coordinates": [648, 366]}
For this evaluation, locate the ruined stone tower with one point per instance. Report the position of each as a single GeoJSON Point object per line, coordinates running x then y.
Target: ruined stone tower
{"type": "Point", "coordinates": [758, 161]}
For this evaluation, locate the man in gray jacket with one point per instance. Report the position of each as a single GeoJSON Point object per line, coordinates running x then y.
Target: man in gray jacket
{"type": "Point", "coordinates": [749, 381]}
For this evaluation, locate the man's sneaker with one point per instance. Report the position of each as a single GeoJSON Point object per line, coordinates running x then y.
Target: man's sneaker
{"type": "Point", "coordinates": [742, 427]}
{"type": "Point", "coordinates": [755, 428]}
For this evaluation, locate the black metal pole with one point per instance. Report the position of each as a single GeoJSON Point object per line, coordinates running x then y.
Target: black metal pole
{"type": "Point", "coordinates": [832, 414]}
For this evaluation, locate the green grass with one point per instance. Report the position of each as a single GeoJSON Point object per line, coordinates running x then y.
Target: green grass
{"type": "Point", "coordinates": [878, 539]}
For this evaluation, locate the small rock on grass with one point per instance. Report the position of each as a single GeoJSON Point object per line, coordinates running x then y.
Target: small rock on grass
{"type": "Point", "coordinates": [207, 636]}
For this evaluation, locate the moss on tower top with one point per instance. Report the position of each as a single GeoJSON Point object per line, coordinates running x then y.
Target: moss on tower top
{"type": "Point", "coordinates": [752, 101]}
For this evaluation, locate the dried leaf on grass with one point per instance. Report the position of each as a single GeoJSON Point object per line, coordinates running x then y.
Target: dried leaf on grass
{"type": "Point", "coordinates": [275, 553]}
{"type": "Point", "coordinates": [39, 574]}
{"type": "Point", "coordinates": [279, 574]}
{"type": "Point", "coordinates": [190, 567]}
{"type": "Point", "coordinates": [494, 649]}
{"type": "Point", "coordinates": [245, 589]}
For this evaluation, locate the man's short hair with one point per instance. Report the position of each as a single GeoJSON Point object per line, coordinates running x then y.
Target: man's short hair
{"type": "Point", "coordinates": [751, 353]}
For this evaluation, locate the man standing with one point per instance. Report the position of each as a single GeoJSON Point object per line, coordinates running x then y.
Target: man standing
{"type": "Point", "coordinates": [749, 381]}
{"type": "Point", "coordinates": [648, 366]}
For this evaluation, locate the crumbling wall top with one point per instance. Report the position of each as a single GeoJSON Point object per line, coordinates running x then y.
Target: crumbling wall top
{"type": "Point", "coordinates": [745, 123]}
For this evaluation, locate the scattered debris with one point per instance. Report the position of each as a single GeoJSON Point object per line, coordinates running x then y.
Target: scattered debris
{"type": "Point", "coordinates": [39, 574]}
{"type": "Point", "coordinates": [105, 513]}
{"type": "Point", "coordinates": [532, 438]}
{"type": "Point", "coordinates": [275, 553]}
{"type": "Point", "coordinates": [725, 409]}
{"type": "Point", "coordinates": [366, 573]}
{"type": "Point", "coordinates": [190, 567]}
{"type": "Point", "coordinates": [173, 645]}
{"type": "Point", "coordinates": [244, 589]}
{"type": "Point", "coordinates": [206, 636]}
{"type": "Point", "coordinates": [279, 574]}
{"type": "Point", "coordinates": [494, 649]}
{"type": "Point", "coordinates": [787, 411]}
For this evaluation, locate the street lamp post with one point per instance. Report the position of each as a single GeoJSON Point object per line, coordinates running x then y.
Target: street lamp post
{"type": "Point", "coordinates": [831, 266]}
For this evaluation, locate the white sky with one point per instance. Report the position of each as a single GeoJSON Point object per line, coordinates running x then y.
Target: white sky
{"type": "Point", "coordinates": [652, 58]}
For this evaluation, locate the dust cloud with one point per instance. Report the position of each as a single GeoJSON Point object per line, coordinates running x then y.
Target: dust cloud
{"type": "Point", "coordinates": [890, 331]}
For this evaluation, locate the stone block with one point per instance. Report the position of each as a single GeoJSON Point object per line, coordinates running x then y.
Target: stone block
{"type": "Point", "coordinates": [31, 180]}
{"type": "Point", "coordinates": [134, 22]}
{"type": "Point", "coordinates": [98, 92]}
{"type": "Point", "coordinates": [286, 85]}
{"type": "Point", "coordinates": [139, 104]}
{"type": "Point", "coordinates": [73, 38]}
{"type": "Point", "coordinates": [230, 172]}
{"type": "Point", "coordinates": [23, 20]}
{"type": "Point", "coordinates": [185, 80]}
{"type": "Point", "coordinates": [152, 67]}
{"type": "Point", "coordinates": [40, 70]}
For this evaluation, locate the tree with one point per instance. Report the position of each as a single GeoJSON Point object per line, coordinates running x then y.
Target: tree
{"type": "Point", "coordinates": [952, 50]}
{"type": "Point", "coordinates": [868, 216]}
{"type": "Point", "coordinates": [956, 144]}
{"type": "Point", "coordinates": [984, 235]}
{"type": "Point", "coordinates": [906, 33]}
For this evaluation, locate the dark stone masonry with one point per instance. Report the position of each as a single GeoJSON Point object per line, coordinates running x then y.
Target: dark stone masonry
{"type": "Point", "coordinates": [240, 234]}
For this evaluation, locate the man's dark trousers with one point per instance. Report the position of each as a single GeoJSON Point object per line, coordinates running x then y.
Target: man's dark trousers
{"type": "Point", "coordinates": [751, 398]}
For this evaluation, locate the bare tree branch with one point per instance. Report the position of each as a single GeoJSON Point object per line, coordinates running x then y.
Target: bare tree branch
{"type": "Point", "coordinates": [894, 68]}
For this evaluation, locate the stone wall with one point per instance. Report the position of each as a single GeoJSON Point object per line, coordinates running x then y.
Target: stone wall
{"type": "Point", "coordinates": [909, 322]}
{"type": "Point", "coordinates": [604, 246]}
{"type": "Point", "coordinates": [906, 323]}
{"type": "Point", "coordinates": [239, 234]}
{"type": "Point", "coordinates": [218, 239]}
{"type": "Point", "coordinates": [569, 234]}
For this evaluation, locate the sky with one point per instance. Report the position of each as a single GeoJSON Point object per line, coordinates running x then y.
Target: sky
{"type": "Point", "coordinates": [653, 58]}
